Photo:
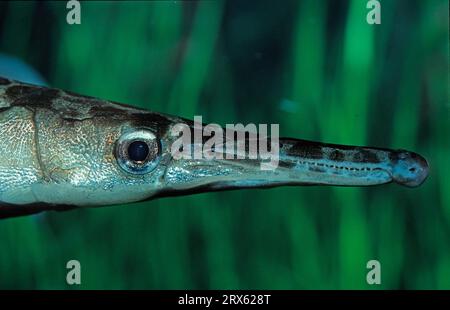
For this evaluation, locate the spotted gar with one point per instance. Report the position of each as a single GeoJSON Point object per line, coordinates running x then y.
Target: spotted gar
{"type": "Point", "coordinates": [60, 150]}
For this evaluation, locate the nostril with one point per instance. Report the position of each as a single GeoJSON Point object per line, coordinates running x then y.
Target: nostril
{"type": "Point", "coordinates": [412, 169]}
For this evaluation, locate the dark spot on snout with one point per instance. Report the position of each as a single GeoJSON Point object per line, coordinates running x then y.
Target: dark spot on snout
{"type": "Point", "coordinates": [392, 156]}
{"type": "Point", "coordinates": [303, 148]}
{"type": "Point", "coordinates": [286, 164]}
{"type": "Point", "coordinates": [337, 156]}
{"type": "Point", "coordinates": [366, 157]}
{"type": "Point", "coordinates": [400, 155]}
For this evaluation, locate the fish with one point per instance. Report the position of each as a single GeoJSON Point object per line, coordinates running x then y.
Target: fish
{"type": "Point", "coordinates": [60, 150]}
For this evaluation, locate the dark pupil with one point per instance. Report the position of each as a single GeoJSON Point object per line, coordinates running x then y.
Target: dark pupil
{"type": "Point", "coordinates": [138, 151]}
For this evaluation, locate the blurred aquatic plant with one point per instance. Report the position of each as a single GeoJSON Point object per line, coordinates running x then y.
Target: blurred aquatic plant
{"type": "Point", "coordinates": [345, 81]}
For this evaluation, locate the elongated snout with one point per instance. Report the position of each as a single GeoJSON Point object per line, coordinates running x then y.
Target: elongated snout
{"type": "Point", "coordinates": [296, 162]}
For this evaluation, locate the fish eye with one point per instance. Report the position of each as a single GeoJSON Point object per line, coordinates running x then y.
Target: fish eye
{"type": "Point", "coordinates": [138, 152]}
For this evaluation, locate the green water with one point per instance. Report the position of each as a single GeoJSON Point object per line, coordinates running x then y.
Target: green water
{"type": "Point", "coordinates": [316, 68]}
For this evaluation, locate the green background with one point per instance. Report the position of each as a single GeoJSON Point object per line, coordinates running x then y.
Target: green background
{"type": "Point", "coordinates": [316, 68]}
